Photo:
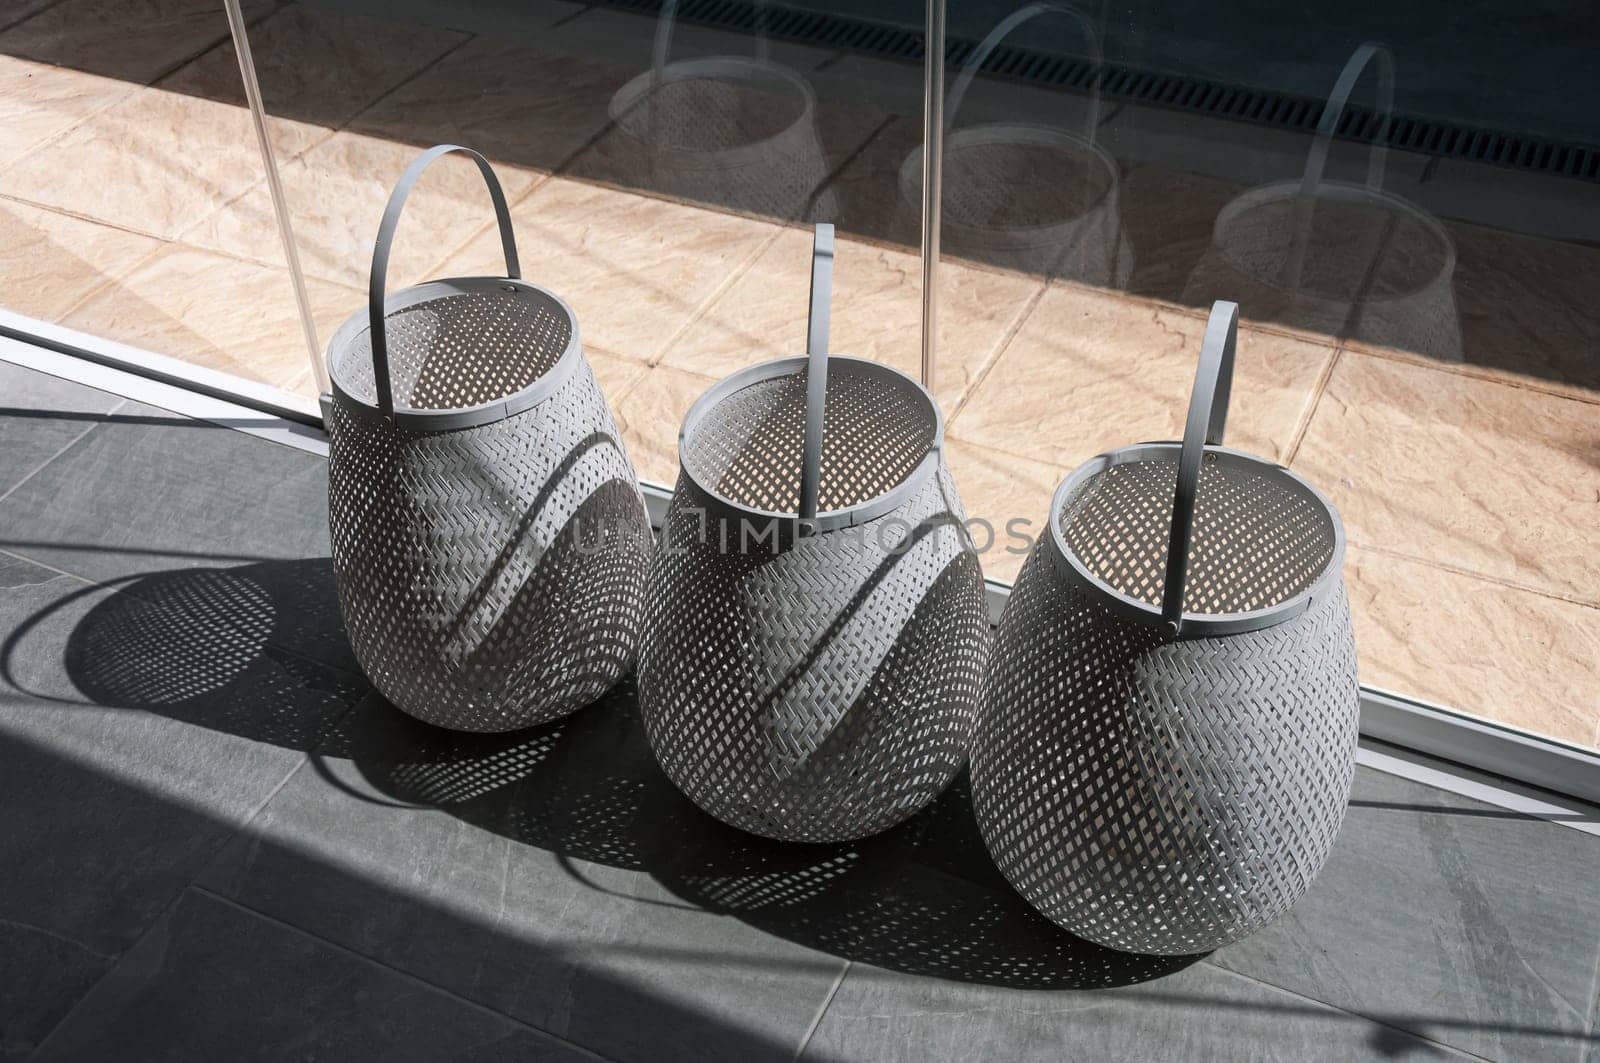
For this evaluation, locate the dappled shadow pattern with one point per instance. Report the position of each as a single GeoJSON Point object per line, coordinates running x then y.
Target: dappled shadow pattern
{"type": "Point", "coordinates": [922, 898]}
{"type": "Point", "coordinates": [242, 650]}
{"type": "Point", "coordinates": [231, 649]}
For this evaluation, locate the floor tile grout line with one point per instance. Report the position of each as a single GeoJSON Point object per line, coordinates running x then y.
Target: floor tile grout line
{"type": "Point", "coordinates": [167, 909]}
{"type": "Point", "coordinates": [328, 133]}
{"type": "Point", "coordinates": [781, 226]}
{"type": "Point", "coordinates": [135, 87]}
{"type": "Point", "coordinates": [1303, 422]}
{"type": "Point", "coordinates": [32, 14]}
{"type": "Point", "coordinates": [722, 288]}
{"type": "Point", "coordinates": [1499, 581]}
{"type": "Point", "coordinates": [822, 1009]}
{"type": "Point", "coordinates": [1467, 371]}
{"type": "Point", "coordinates": [1362, 1016]}
{"type": "Point", "coordinates": [1007, 337]}
{"type": "Point", "coordinates": [74, 441]}
{"type": "Point", "coordinates": [397, 971]}
{"type": "Point", "coordinates": [77, 215]}
{"type": "Point", "coordinates": [77, 1005]}
{"type": "Point", "coordinates": [25, 559]}
{"type": "Point", "coordinates": [1594, 986]}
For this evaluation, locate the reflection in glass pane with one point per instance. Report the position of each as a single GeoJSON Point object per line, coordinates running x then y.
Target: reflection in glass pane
{"type": "Point", "coordinates": [1403, 210]}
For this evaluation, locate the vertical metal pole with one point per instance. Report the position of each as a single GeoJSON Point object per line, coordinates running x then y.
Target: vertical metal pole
{"type": "Point", "coordinates": [932, 179]}
{"type": "Point", "coordinates": [280, 205]}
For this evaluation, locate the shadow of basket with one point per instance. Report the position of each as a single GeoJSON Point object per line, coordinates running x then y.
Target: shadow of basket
{"type": "Point", "coordinates": [922, 898]}
{"type": "Point", "coordinates": [243, 650]}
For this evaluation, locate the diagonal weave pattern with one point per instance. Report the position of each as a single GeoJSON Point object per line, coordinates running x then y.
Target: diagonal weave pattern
{"type": "Point", "coordinates": [490, 577]}
{"type": "Point", "coordinates": [822, 692]}
{"type": "Point", "coordinates": [1156, 795]}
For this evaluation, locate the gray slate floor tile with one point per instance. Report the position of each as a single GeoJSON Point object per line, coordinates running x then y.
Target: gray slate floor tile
{"type": "Point", "coordinates": [213, 982]}
{"type": "Point", "coordinates": [1199, 1013]}
{"type": "Point", "coordinates": [522, 871]}
{"type": "Point", "coordinates": [41, 977]}
{"type": "Point", "coordinates": [1463, 922]}
{"type": "Point", "coordinates": [124, 772]}
{"type": "Point", "coordinates": [147, 491]}
{"type": "Point", "coordinates": [39, 415]}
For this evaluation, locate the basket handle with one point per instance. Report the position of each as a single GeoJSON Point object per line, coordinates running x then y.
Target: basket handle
{"type": "Point", "coordinates": [380, 255]}
{"type": "Point", "coordinates": [663, 39]}
{"type": "Point", "coordinates": [817, 367]}
{"type": "Point", "coordinates": [1003, 29]}
{"type": "Point", "coordinates": [1208, 418]}
{"type": "Point", "coordinates": [1327, 126]}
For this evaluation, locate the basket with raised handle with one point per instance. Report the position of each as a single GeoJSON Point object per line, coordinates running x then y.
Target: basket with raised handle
{"type": "Point", "coordinates": [1337, 257]}
{"type": "Point", "coordinates": [489, 537]}
{"type": "Point", "coordinates": [734, 131]}
{"type": "Point", "coordinates": [1169, 726]}
{"type": "Point", "coordinates": [1030, 197]}
{"type": "Point", "coordinates": [815, 630]}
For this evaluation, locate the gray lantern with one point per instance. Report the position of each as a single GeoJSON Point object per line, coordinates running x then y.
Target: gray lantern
{"type": "Point", "coordinates": [1169, 727]}
{"type": "Point", "coordinates": [816, 629]}
{"type": "Point", "coordinates": [489, 538]}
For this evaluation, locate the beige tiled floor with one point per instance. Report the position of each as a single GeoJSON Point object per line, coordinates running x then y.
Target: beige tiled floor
{"type": "Point", "coordinates": [1090, 370]}
{"type": "Point", "coordinates": [876, 312]}
{"type": "Point", "coordinates": [336, 194]}
{"type": "Point", "coordinates": [221, 312]}
{"type": "Point", "coordinates": [634, 268]}
{"type": "Point", "coordinates": [39, 101]}
{"type": "Point", "coordinates": [132, 205]}
{"type": "Point", "coordinates": [51, 261]}
{"type": "Point", "coordinates": [1492, 479]}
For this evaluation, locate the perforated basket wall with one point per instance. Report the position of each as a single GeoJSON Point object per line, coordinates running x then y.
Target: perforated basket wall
{"type": "Point", "coordinates": [732, 131]}
{"type": "Point", "coordinates": [1029, 198]}
{"type": "Point", "coordinates": [489, 576]}
{"type": "Point", "coordinates": [824, 687]}
{"type": "Point", "coordinates": [1158, 794]}
{"type": "Point", "coordinates": [1377, 267]}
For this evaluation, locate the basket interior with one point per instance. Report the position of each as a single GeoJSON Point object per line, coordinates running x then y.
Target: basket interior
{"type": "Point", "coordinates": [747, 448]}
{"type": "Point", "coordinates": [460, 350]}
{"type": "Point", "coordinates": [1365, 247]}
{"type": "Point", "coordinates": [712, 111]}
{"type": "Point", "coordinates": [1260, 538]}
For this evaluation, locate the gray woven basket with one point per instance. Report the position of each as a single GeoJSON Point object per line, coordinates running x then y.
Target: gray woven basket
{"type": "Point", "coordinates": [489, 538]}
{"type": "Point", "coordinates": [1169, 726]}
{"type": "Point", "coordinates": [816, 630]}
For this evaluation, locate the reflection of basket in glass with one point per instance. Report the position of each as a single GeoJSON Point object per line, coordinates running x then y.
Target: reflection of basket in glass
{"type": "Point", "coordinates": [1339, 258]}
{"type": "Point", "coordinates": [489, 538]}
{"type": "Point", "coordinates": [727, 130]}
{"type": "Point", "coordinates": [816, 628]}
{"type": "Point", "coordinates": [1168, 734]}
{"type": "Point", "coordinates": [1029, 197]}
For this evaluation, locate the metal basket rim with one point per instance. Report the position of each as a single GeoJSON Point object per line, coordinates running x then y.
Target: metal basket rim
{"type": "Point", "coordinates": [1194, 625]}
{"type": "Point", "coordinates": [834, 519]}
{"type": "Point", "coordinates": [446, 419]}
{"type": "Point", "coordinates": [1342, 191]}
{"type": "Point", "coordinates": [637, 88]}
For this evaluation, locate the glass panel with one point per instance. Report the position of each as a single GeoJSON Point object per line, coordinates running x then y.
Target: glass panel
{"type": "Point", "coordinates": [125, 148]}
{"type": "Point", "coordinates": [662, 168]}
{"type": "Point", "coordinates": [1421, 314]}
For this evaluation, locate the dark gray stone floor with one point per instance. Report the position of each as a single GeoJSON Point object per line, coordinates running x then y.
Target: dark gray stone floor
{"type": "Point", "coordinates": [218, 843]}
